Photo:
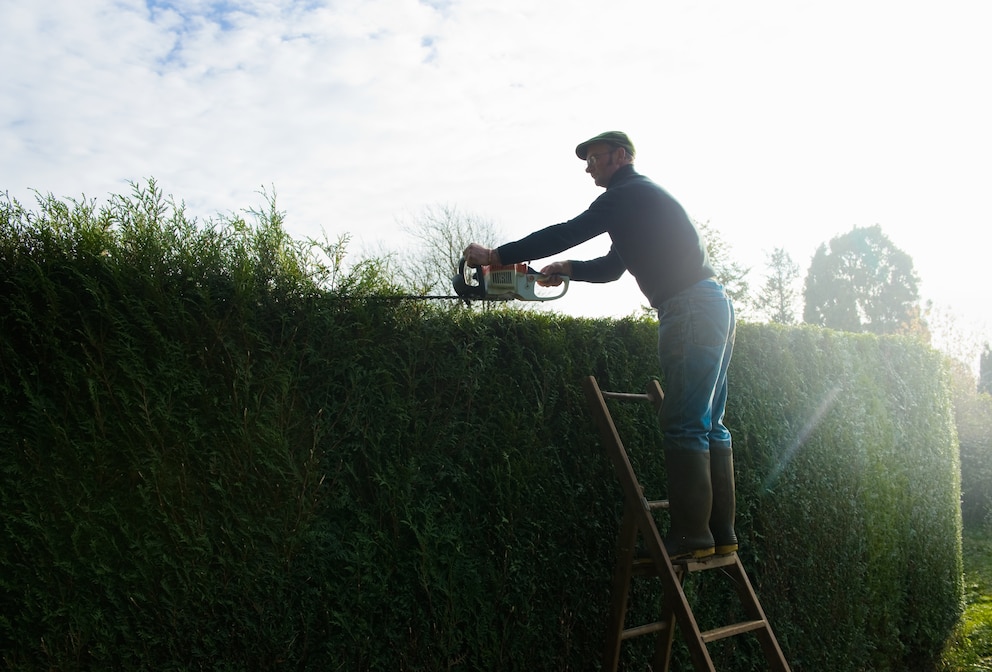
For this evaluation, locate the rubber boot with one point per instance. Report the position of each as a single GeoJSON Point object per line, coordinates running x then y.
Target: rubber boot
{"type": "Point", "coordinates": [724, 504]}
{"type": "Point", "coordinates": [690, 499]}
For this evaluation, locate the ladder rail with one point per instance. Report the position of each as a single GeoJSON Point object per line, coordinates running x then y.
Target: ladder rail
{"type": "Point", "coordinates": [646, 526]}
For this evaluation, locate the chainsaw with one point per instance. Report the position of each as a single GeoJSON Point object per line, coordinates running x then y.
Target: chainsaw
{"type": "Point", "coordinates": [504, 283]}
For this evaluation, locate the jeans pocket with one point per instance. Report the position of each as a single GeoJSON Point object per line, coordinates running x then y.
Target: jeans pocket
{"type": "Point", "coordinates": [710, 322]}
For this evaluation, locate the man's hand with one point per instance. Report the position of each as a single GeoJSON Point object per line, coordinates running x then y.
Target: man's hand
{"type": "Point", "coordinates": [554, 272]}
{"type": "Point", "coordinates": [479, 255]}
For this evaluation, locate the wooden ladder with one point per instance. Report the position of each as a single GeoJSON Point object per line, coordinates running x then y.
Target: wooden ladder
{"type": "Point", "coordinates": [675, 610]}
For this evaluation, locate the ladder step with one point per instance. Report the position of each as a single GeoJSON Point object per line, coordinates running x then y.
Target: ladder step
{"type": "Point", "coordinates": [641, 567]}
{"type": "Point", "coordinates": [626, 396]}
{"type": "Point", "coordinates": [734, 629]}
{"type": "Point", "coordinates": [711, 562]}
{"type": "Point", "coordinates": [646, 629]}
{"type": "Point", "coordinates": [646, 566]}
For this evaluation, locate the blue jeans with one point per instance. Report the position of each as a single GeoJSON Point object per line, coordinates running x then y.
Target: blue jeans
{"type": "Point", "coordinates": [696, 332]}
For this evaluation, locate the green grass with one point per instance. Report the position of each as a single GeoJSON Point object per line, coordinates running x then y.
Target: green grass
{"type": "Point", "coordinates": [970, 648]}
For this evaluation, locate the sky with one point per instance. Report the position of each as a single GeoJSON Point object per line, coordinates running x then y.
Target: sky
{"type": "Point", "coordinates": [780, 123]}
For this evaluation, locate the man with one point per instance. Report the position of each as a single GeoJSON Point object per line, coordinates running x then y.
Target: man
{"type": "Point", "coordinates": [654, 239]}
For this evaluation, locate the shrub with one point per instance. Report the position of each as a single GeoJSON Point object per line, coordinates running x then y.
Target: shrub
{"type": "Point", "coordinates": [218, 452]}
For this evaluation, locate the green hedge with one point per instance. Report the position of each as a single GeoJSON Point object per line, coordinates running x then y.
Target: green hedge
{"type": "Point", "coordinates": [973, 418]}
{"type": "Point", "coordinates": [207, 462]}
{"type": "Point", "coordinates": [854, 509]}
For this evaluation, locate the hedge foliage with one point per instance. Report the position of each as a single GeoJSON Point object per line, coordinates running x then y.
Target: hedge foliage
{"type": "Point", "coordinates": [210, 460]}
{"type": "Point", "coordinates": [973, 418]}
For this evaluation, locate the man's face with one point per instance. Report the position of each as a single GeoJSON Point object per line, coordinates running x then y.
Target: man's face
{"type": "Point", "coordinates": [601, 162]}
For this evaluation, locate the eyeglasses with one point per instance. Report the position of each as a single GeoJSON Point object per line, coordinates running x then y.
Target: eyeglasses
{"type": "Point", "coordinates": [591, 159]}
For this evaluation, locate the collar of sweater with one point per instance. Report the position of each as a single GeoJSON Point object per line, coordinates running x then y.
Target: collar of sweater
{"type": "Point", "coordinates": [623, 173]}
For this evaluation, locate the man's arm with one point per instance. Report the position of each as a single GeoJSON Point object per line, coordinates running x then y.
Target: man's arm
{"type": "Point", "coordinates": [604, 269]}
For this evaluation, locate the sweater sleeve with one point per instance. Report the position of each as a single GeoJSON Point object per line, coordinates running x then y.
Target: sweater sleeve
{"type": "Point", "coordinates": [540, 244]}
{"type": "Point", "coordinates": [604, 269]}
{"type": "Point", "coordinates": [556, 238]}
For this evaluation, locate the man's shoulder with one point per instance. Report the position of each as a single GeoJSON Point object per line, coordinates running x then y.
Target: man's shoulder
{"type": "Point", "coordinates": [628, 175]}
{"type": "Point", "coordinates": [635, 181]}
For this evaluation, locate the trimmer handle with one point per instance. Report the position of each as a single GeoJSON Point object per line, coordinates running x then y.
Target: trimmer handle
{"type": "Point", "coordinates": [527, 290]}
{"type": "Point", "coordinates": [469, 283]}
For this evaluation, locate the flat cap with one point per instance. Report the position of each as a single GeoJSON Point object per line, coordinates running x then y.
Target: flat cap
{"type": "Point", "coordinates": [615, 138]}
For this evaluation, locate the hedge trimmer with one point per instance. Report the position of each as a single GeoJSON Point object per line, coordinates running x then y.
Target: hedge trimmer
{"type": "Point", "coordinates": [504, 283]}
{"type": "Point", "coordinates": [495, 283]}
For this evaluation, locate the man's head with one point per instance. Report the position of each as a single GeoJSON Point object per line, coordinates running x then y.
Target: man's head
{"type": "Point", "coordinates": [605, 154]}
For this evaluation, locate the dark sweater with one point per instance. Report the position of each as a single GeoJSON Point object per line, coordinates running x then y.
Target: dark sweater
{"type": "Point", "coordinates": [652, 236]}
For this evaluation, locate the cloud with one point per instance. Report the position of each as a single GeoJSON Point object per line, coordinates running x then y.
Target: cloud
{"type": "Point", "coordinates": [781, 123]}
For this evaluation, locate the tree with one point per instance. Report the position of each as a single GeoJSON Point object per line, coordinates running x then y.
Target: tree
{"type": "Point", "coordinates": [442, 233]}
{"type": "Point", "coordinates": [730, 273]}
{"type": "Point", "coordinates": [778, 296]}
{"type": "Point", "coordinates": [862, 282]}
